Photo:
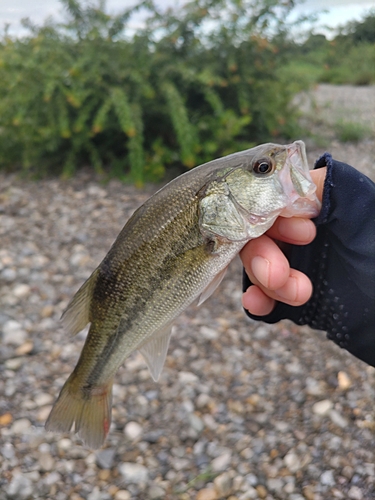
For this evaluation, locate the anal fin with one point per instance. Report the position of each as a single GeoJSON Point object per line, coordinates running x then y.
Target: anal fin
{"type": "Point", "coordinates": [155, 350]}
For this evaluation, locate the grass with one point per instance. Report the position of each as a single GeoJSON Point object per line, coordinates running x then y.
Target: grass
{"type": "Point", "coordinates": [347, 131]}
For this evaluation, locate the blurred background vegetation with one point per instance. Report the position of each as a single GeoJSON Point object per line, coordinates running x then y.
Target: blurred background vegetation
{"type": "Point", "coordinates": [190, 85]}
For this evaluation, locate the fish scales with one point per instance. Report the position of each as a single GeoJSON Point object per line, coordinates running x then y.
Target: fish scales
{"type": "Point", "coordinates": [173, 249]}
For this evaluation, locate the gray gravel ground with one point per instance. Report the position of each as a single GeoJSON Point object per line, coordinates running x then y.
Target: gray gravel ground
{"type": "Point", "coordinates": [243, 410]}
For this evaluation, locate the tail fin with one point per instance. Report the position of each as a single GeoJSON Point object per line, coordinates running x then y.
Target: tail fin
{"type": "Point", "coordinates": [89, 411]}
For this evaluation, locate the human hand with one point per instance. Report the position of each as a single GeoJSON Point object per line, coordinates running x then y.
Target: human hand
{"type": "Point", "coordinates": [268, 268]}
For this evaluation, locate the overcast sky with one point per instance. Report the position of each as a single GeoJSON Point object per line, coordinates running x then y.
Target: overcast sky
{"type": "Point", "coordinates": [12, 11]}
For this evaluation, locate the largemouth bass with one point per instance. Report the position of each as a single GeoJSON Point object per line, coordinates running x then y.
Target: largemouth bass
{"type": "Point", "coordinates": [174, 249]}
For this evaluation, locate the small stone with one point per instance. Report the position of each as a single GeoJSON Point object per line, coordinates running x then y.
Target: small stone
{"type": "Point", "coordinates": [64, 444]}
{"type": "Point", "coordinates": [95, 494]}
{"type": "Point", "coordinates": [133, 430]}
{"type": "Point", "coordinates": [308, 493]}
{"type": "Point", "coordinates": [196, 422]}
{"type": "Point", "coordinates": [292, 462]}
{"type": "Point", "coordinates": [122, 495]}
{"type": "Point", "coordinates": [156, 492]}
{"type": "Point", "coordinates": [5, 419]}
{"type": "Point", "coordinates": [261, 490]}
{"type": "Point", "coordinates": [43, 413]}
{"type": "Point", "coordinates": [25, 348]}
{"type": "Point", "coordinates": [327, 478]}
{"type": "Point", "coordinates": [249, 494]}
{"type": "Point", "coordinates": [275, 484]}
{"type": "Point", "coordinates": [43, 399]}
{"type": "Point", "coordinates": [343, 381]}
{"type": "Point", "coordinates": [47, 311]}
{"type": "Point", "coordinates": [223, 484]}
{"type": "Point", "coordinates": [20, 487]}
{"type": "Point", "coordinates": [209, 333]}
{"type": "Point", "coordinates": [207, 494]}
{"type": "Point", "coordinates": [323, 407]}
{"type": "Point", "coordinates": [355, 493]}
{"type": "Point", "coordinates": [202, 400]}
{"type": "Point", "coordinates": [187, 378]}
{"type": "Point", "coordinates": [13, 333]}
{"type": "Point", "coordinates": [46, 462]}
{"type": "Point", "coordinates": [105, 458]}
{"type": "Point", "coordinates": [133, 473]}
{"type": "Point", "coordinates": [221, 462]}
{"type": "Point", "coordinates": [104, 474]}
{"type": "Point", "coordinates": [14, 364]}
{"type": "Point", "coordinates": [21, 291]}
{"type": "Point", "coordinates": [20, 426]}
{"type": "Point", "coordinates": [338, 419]}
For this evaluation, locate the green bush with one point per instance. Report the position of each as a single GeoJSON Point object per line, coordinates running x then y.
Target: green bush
{"type": "Point", "coordinates": [186, 88]}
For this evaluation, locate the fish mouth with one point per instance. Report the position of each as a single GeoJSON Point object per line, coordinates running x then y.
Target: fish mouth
{"type": "Point", "coordinates": [298, 184]}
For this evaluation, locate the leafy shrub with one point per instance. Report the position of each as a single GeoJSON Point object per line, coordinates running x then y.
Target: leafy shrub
{"type": "Point", "coordinates": [186, 88]}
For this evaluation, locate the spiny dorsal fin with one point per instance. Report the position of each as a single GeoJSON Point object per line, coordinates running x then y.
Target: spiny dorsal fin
{"type": "Point", "coordinates": [77, 314]}
{"type": "Point", "coordinates": [155, 351]}
{"type": "Point", "coordinates": [209, 290]}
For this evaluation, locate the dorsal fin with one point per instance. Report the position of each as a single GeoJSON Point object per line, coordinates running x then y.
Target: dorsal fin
{"type": "Point", "coordinates": [77, 315]}
{"type": "Point", "coordinates": [209, 290]}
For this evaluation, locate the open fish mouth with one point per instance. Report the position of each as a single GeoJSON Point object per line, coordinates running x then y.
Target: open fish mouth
{"type": "Point", "coordinates": [298, 185]}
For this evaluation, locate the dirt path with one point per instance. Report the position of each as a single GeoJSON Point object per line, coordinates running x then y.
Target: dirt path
{"type": "Point", "coordinates": [327, 105]}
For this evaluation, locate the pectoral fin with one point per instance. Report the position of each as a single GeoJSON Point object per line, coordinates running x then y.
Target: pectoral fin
{"type": "Point", "coordinates": [155, 351]}
{"type": "Point", "coordinates": [209, 290]}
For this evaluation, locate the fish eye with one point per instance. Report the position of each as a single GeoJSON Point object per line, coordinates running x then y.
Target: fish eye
{"type": "Point", "coordinates": [264, 166]}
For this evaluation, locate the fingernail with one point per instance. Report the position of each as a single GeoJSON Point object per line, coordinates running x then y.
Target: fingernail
{"type": "Point", "coordinates": [289, 290]}
{"type": "Point", "coordinates": [261, 269]}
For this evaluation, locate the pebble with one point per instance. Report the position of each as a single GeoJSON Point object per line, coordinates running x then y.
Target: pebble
{"type": "Point", "coordinates": [323, 407]}
{"type": "Point", "coordinates": [46, 462]}
{"type": "Point", "coordinates": [21, 291]}
{"type": "Point", "coordinates": [122, 495]}
{"type": "Point", "coordinates": [25, 348]}
{"type": "Point", "coordinates": [156, 492]}
{"type": "Point", "coordinates": [221, 462]}
{"type": "Point", "coordinates": [292, 462]}
{"type": "Point", "coordinates": [207, 494]}
{"type": "Point", "coordinates": [327, 478]}
{"type": "Point", "coordinates": [13, 333]}
{"type": "Point", "coordinates": [187, 378]}
{"type": "Point", "coordinates": [105, 458]}
{"type": "Point", "coordinates": [223, 484]}
{"type": "Point", "coordinates": [20, 487]}
{"type": "Point", "coordinates": [355, 493]}
{"type": "Point", "coordinates": [338, 419]}
{"type": "Point", "coordinates": [225, 397]}
{"type": "Point", "coordinates": [14, 364]}
{"type": "Point", "coordinates": [43, 399]}
{"type": "Point", "coordinates": [343, 381]}
{"type": "Point", "coordinates": [133, 430]}
{"type": "Point", "coordinates": [133, 473]}
{"type": "Point", "coordinates": [20, 426]}
{"type": "Point", "coordinates": [250, 493]}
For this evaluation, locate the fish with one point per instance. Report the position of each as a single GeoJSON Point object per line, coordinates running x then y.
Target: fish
{"type": "Point", "coordinates": [173, 250]}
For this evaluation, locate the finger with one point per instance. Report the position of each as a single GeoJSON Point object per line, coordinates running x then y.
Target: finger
{"type": "Point", "coordinates": [265, 263]}
{"type": "Point", "coordinates": [257, 302]}
{"type": "Point", "coordinates": [294, 230]}
{"type": "Point", "coordinates": [296, 291]}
